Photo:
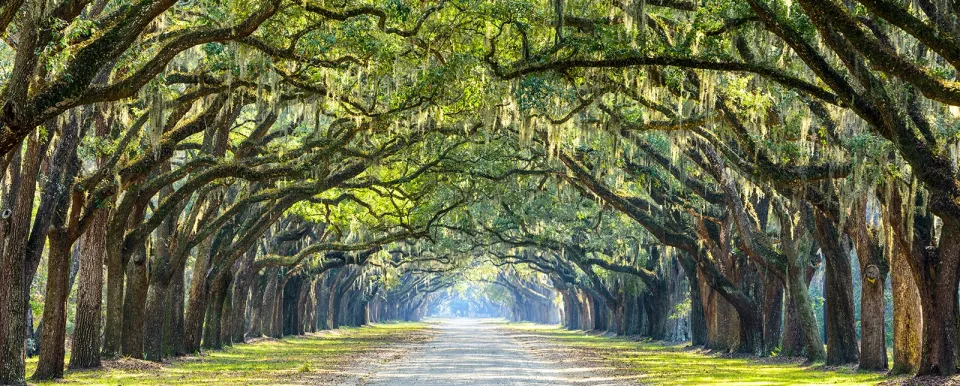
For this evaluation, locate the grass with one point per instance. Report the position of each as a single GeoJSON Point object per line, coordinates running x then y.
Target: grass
{"type": "Point", "coordinates": [665, 364]}
{"type": "Point", "coordinates": [274, 361]}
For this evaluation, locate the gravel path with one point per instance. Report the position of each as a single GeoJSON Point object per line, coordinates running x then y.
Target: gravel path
{"type": "Point", "coordinates": [471, 352]}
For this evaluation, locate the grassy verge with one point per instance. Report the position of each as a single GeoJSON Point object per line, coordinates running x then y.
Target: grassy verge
{"type": "Point", "coordinates": [292, 360]}
{"type": "Point", "coordinates": [663, 364]}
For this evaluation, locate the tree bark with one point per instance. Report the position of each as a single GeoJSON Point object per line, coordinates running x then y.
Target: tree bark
{"type": "Point", "coordinates": [938, 299]}
{"type": "Point", "coordinates": [841, 331]}
{"type": "Point", "coordinates": [907, 316]}
{"type": "Point", "coordinates": [173, 321]}
{"type": "Point", "coordinates": [53, 331]}
{"type": "Point", "coordinates": [698, 321]}
{"type": "Point", "coordinates": [873, 274]}
{"type": "Point", "coordinates": [772, 313]}
{"type": "Point", "coordinates": [113, 324]}
{"type": "Point", "coordinates": [218, 289]}
{"type": "Point", "coordinates": [85, 352]}
{"type": "Point", "coordinates": [14, 294]}
{"type": "Point", "coordinates": [197, 306]}
{"type": "Point", "coordinates": [154, 321]}
{"type": "Point", "coordinates": [134, 304]}
{"type": "Point", "coordinates": [798, 298]}
{"type": "Point", "coordinates": [256, 306]}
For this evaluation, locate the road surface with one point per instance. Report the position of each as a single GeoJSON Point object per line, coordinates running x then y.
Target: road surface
{"type": "Point", "coordinates": [468, 352]}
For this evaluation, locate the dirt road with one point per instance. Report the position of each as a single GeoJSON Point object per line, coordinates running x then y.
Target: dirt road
{"type": "Point", "coordinates": [472, 352]}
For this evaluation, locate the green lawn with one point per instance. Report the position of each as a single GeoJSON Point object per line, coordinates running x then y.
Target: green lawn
{"type": "Point", "coordinates": [285, 361]}
{"type": "Point", "coordinates": [663, 364]}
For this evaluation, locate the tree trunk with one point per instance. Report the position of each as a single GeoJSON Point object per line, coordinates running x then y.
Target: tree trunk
{"type": "Point", "coordinates": [85, 352]}
{"type": "Point", "coordinates": [873, 276]}
{"type": "Point", "coordinates": [256, 306]}
{"type": "Point", "coordinates": [798, 298]}
{"type": "Point", "coordinates": [241, 292]}
{"type": "Point", "coordinates": [214, 311]}
{"type": "Point", "coordinates": [14, 292]}
{"type": "Point", "coordinates": [839, 319]}
{"type": "Point", "coordinates": [113, 324]}
{"type": "Point", "coordinates": [240, 297]}
{"type": "Point", "coordinates": [873, 342]}
{"type": "Point", "coordinates": [937, 282]}
{"type": "Point", "coordinates": [226, 317]}
{"type": "Point", "coordinates": [197, 305]}
{"type": "Point", "coordinates": [53, 331]}
{"type": "Point", "coordinates": [269, 302]}
{"type": "Point", "coordinates": [698, 322]}
{"type": "Point", "coordinates": [323, 306]}
{"type": "Point", "coordinates": [173, 321]}
{"type": "Point", "coordinates": [907, 318]}
{"type": "Point", "coordinates": [657, 310]}
{"type": "Point", "coordinates": [154, 322]}
{"type": "Point", "coordinates": [772, 313]}
{"type": "Point", "coordinates": [751, 332]}
{"type": "Point", "coordinates": [134, 304]}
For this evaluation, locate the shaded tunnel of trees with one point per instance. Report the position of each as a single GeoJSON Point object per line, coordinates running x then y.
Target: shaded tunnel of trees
{"type": "Point", "coordinates": [751, 176]}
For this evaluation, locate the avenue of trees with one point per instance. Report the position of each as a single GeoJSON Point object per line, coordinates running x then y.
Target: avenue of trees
{"type": "Point", "coordinates": [755, 176]}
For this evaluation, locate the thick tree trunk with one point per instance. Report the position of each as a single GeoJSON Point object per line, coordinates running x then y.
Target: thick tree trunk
{"type": "Point", "coordinates": [792, 344]}
{"type": "Point", "coordinates": [574, 311]}
{"type": "Point", "coordinates": [657, 310]}
{"type": "Point", "coordinates": [323, 304]}
{"type": "Point", "coordinates": [709, 301]}
{"type": "Point", "coordinates": [218, 289]}
{"type": "Point", "coordinates": [154, 321]}
{"type": "Point", "coordinates": [751, 332]}
{"type": "Point", "coordinates": [276, 324]}
{"type": "Point", "coordinates": [727, 325]}
{"type": "Point", "coordinates": [621, 315]}
{"type": "Point", "coordinates": [85, 351]}
{"type": "Point", "coordinates": [798, 298]}
{"type": "Point", "coordinates": [873, 342]}
{"type": "Point", "coordinates": [678, 325]}
{"type": "Point", "coordinates": [241, 292]}
{"type": "Point", "coordinates": [333, 314]}
{"type": "Point", "coordinates": [907, 312]}
{"type": "Point", "coordinates": [197, 305]}
{"type": "Point", "coordinates": [269, 302]}
{"type": "Point", "coordinates": [134, 304]}
{"type": "Point", "coordinates": [873, 276]}
{"type": "Point", "coordinates": [839, 320]}
{"type": "Point", "coordinates": [256, 306]}
{"type": "Point", "coordinates": [938, 299]}
{"type": "Point", "coordinates": [907, 317]}
{"type": "Point", "coordinates": [53, 331]}
{"type": "Point", "coordinates": [698, 322]}
{"type": "Point", "coordinates": [772, 313]}
{"type": "Point", "coordinates": [15, 230]}
{"type": "Point", "coordinates": [291, 296]}
{"type": "Point", "coordinates": [51, 214]}
{"type": "Point", "coordinates": [304, 315]}
{"type": "Point", "coordinates": [238, 319]}
{"type": "Point", "coordinates": [226, 317]}
{"type": "Point", "coordinates": [173, 321]}
{"type": "Point", "coordinates": [113, 324]}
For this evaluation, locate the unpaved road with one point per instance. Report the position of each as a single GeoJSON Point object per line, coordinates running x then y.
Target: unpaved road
{"type": "Point", "coordinates": [469, 352]}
